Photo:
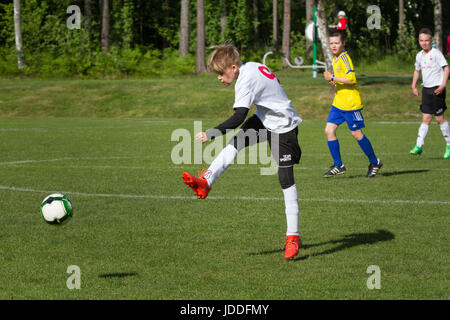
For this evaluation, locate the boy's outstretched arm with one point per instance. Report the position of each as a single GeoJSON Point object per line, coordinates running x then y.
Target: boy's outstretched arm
{"type": "Point", "coordinates": [231, 123]}
{"type": "Point", "coordinates": [416, 76]}
{"type": "Point", "coordinates": [444, 81]}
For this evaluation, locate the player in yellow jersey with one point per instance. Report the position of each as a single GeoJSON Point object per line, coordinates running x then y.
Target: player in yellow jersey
{"type": "Point", "coordinates": [347, 106]}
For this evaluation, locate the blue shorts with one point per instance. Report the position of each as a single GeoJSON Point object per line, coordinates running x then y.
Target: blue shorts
{"type": "Point", "coordinates": [354, 119]}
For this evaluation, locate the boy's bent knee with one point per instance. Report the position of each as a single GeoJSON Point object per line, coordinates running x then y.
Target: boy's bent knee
{"type": "Point", "coordinates": [286, 177]}
{"type": "Point", "coordinates": [357, 134]}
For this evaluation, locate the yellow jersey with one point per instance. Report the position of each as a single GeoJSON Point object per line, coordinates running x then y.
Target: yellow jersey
{"type": "Point", "coordinates": [347, 96]}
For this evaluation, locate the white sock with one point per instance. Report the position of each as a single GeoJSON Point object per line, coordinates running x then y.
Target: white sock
{"type": "Point", "coordinates": [445, 128]}
{"type": "Point", "coordinates": [221, 163]}
{"type": "Point", "coordinates": [423, 131]}
{"type": "Point", "coordinates": [291, 210]}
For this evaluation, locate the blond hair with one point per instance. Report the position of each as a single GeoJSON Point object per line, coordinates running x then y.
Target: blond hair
{"type": "Point", "coordinates": [223, 57]}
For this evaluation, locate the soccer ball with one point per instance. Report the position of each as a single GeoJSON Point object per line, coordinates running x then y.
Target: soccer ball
{"type": "Point", "coordinates": [56, 209]}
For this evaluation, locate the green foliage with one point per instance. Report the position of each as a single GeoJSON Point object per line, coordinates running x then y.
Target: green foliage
{"type": "Point", "coordinates": [8, 62]}
{"type": "Point", "coordinates": [212, 23]}
{"type": "Point", "coordinates": [158, 63]}
{"type": "Point", "coordinates": [368, 44]}
{"type": "Point", "coordinates": [122, 30]}
{"type": "Point", "coordinates": [7, 24]}
{"type": "Point", "coordinates": [140, 28]}
{"type": "Point", "coordinates": [298, 47]}
{"type": "Point", "coordinates": [63, 51]}
{"type": "Point", "coordinates": [33, 18]}
{"type": "Point", "coordinates": [172, 64]}
{"type": "Point", "coordinates": [168, 27]}
{"type": "Point", "coordinates": [242, 27]}
{"type": "Point", "coordinates": [407, 49]}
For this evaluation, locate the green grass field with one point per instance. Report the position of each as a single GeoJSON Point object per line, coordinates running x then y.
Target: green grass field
{"type": "Point", "coordinates": [138, 232]}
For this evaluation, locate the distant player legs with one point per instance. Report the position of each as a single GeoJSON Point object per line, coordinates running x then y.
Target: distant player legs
{"type": "Point", "coordinates": [425, 125]}
{"type": "Point", "coordinates": [333, 143]}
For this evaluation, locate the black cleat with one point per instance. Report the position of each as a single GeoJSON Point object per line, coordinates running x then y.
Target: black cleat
{"type": "Point", "coordinates": [334, 170]}
{"type": "Point", "coordinates": [373, 169]}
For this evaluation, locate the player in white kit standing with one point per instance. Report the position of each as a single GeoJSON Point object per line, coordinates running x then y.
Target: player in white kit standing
{"type": "Point", "coordinates": [435, 71]}
{"type": "Point", "coordinates": [275, 121]}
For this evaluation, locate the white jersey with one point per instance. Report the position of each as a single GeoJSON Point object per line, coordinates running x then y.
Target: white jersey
{"type": "Point", "coordinates": [431, 65]}
{"type": "Point", "coordinates": [257, 85]}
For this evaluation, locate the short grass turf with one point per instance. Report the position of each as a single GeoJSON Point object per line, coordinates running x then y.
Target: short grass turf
{"type": "Point", "coordinates": [138, 232]}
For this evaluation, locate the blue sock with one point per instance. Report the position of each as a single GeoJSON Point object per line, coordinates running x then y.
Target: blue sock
{"type": "Point", "coordinates": [335, 152]}
{"type": "Point", "coordinates": [366, 146]}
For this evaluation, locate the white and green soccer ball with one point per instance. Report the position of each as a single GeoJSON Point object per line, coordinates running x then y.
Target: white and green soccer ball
{"type": "Point", "coordinates": [56, 209]}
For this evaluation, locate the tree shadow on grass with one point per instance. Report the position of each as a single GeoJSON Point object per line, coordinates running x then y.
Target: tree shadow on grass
{"type": "Point", "coordinates": [117, 275]}
{"type": "Point", "coordinates": [346, 242]}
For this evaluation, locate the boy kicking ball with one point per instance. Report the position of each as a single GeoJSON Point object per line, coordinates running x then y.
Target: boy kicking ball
{"type": "Point", "coordinates": [346, 107]}
{"type": "Point", "coordinates": [275, 119]}
{"type": "Point", "coordinates": [431, 62]}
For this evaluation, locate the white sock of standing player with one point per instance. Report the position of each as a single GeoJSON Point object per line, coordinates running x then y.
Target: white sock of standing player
{"type": "Point", "coordinates": [423, 131]}
{"type": "Point", "coordinates": [445, 128]}
{"type": "Point", "coordinates": [291, 210]}
{"type": "Point", "coordinates": [221, 163]}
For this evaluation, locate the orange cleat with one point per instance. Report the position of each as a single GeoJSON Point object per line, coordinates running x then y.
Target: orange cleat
{"type": "Point", "coordinates": [292, 244]}
{"type": "Point", "coordinates": [198, 185]}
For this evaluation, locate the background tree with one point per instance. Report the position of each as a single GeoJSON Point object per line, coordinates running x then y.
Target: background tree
{"type": "Point", "coordinates": [255, 23]}
{"type": "Point", "coordinates": [286, 31]}
{"type": "Point", "coordinates": [309, 17]}
{"type": "Point", "coordinates": [18, 35]}
{"type": "Point", "coordinates": [105, 26]}
{"type": "Point", "coordinates": [241, 25]}
{"type": "Point", "coordinates": [184, 29]}
{"type": "Point", "coordinates": [200, 65]}
{"type": "Point", "coordinates": [401, 19]}
{"type": "Point", "coordinates": [323, 29]}
{"type": "Point", "coordinates": [275, 24]}
{"type": "Point", "coordinates": [87, 14]}
{"type": "Point", "coordinates": [166, 22]}
{"type": "Point", "coordinates": [223, 19]}
{"type": "Point", "coordinates": [309, 10]}
{"type": "Point", "coordinates": [438, 24]}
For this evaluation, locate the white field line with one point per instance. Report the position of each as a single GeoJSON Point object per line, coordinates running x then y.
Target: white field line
{"type": "Point", "coordinates": [189, 167]}
{"type": "Point", "coordinates": [66, 159]}
{"type": "Point", "coordinates": [162, 197]}
{"type": "Point", "coordinates": [127, 126]}
{"type": "Point", "coordinates": [22, 129]}
{"type": "Point", "coordinates": [398, 122]}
